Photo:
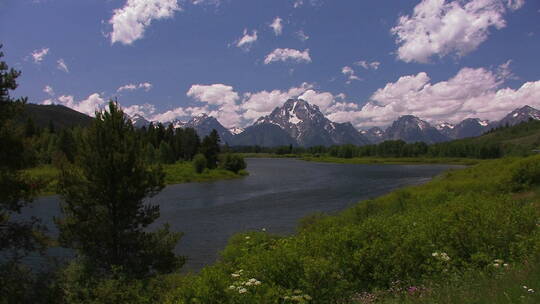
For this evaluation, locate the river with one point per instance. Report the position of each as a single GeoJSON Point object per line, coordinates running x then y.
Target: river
{"type": "Point", "coordinates": [275, 196]}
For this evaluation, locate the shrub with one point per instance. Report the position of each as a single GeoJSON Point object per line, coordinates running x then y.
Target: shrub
{"type": "Point", "coordinates": [233, 162]}
{"type": "Point", "coordinates": [199, 163]}
{"type": "Point", "coordinates": [525, 173]}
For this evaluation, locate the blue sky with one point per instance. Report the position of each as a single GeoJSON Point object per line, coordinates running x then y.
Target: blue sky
{"type": "Point", "coordinates": [367, 62]}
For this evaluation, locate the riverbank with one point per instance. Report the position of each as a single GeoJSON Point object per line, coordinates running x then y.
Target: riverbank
{"type": "Point", "coordinates": [478, 226]}
{"type": "Point", "coordinates": [178, 173]}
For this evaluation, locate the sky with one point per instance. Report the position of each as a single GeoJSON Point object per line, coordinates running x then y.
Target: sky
{"type": "Point", "coordinates": [365, 62]}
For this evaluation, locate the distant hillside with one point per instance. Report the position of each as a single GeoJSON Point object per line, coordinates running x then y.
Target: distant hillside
{"type": "Point", "coordinates": [61, 116]}
{"type": "Point", "coordinates": [520, 139]}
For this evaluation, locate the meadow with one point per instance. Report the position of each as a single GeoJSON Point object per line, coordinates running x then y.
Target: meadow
{"type": "Point", "coordinates": [469, 235]}
{"type": "Point", "coordinates": [177, 173]}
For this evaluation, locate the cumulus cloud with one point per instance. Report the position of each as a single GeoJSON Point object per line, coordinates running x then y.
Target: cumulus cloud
{"type": "Point", "coordinates": [62, 66]}
{"type": "Point", "coordinates": [470, 93]}
{"type": "Point", "coordinates": [222, 96]}
{"type": "Point", "coordinates": [349, 72]}
{"type": "Point", "coordinates": [132, 87]}
{"type": "Point", "coordinates": [368, 65]}
{"type": "Point", "coordinates": [216, 94]}
{"type": "Point", "coordinates": [129, 22]}
{"type": "Point", "coordinates": [87, 106]}
{"type": "Point", "coordinates": [277, 26]}
{"type": "Point", "coordinates": [298, 3]}
{"type": "Point", "coordinates": [39, 55]}
{"type": "Point", "coordinates": [246, 41]}
{"type": "Point", "coordinates": [438, 27]}
{"type": "Point", "coordinates": [144, 110]}
{"type": "Point", "coordinates": [49, 90]}
{"type": "Point", "coordinates": [288, 55]}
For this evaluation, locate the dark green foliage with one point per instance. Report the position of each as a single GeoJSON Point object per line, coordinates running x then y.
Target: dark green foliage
{"type": "Point", "coordinates": [103, 192]}
{"type": "Point", "coordinates": [525, 174]}
{"type": "Point", "coordinates": [210, 148]}
{"type": "Point", "coordinates": [166, 153]}
{"type": "Point", "coordinates": [233, 162]}
{"type": "Point", "coordinates": [199, 163]}
{"type": "Point", "coordinates": [18, 236]}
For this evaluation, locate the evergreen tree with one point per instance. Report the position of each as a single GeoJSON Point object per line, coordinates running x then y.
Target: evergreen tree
{"type": "Point", "coordinates": [103, 194]}
{"type": "Point", "coordinates": [18, 237]}
{"type": "Point", "coordinates": [210, 149]}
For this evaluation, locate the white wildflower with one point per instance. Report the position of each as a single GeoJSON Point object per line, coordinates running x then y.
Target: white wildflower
{"type": "Point", "coordinates": [530, 290]}
{"type": "Point", "coordinates": [247, 237]}
{"type": "Point", "coordinates": [242, 290]}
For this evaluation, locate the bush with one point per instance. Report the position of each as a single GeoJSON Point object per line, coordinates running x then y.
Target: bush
{"type": "Point", "coordinates": [199, 163]}
{"type": "Point", "coordinates": [525, 173]}
{"type": "Point", "coordinates": [233, 162]}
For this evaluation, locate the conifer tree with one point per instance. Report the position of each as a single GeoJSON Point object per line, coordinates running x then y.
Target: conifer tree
{"type": "Point", "coordinates": [210, 149]}
{"type": "Point", "coordinates": [18, 237]}
{"type": "Point", "coordinates": [105, 211]}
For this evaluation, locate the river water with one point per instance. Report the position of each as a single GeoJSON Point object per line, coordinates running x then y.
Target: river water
{"type": "Point", "coordinates": [275, 196]}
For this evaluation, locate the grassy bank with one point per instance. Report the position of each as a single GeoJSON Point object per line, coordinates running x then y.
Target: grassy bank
{"type": "Point", "coordinates": [181, 172]}
{"type": "Point", "coordinates": [434, 237]}
{"type": "Point", "coordinates": [469, 236]}
{"type": "Point", "coordinates": [393, 160]}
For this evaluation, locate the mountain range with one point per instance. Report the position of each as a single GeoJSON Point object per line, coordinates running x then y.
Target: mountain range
{"type": "Point", "coordinates": [300, 123]}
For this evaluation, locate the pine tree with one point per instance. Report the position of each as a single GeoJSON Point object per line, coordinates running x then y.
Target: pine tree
{"type": "Point", "coordinates": [18, 237]}
{"type": "Point", "coordinates": [104, 208]}
{"type": "Point", "coordinates": [210, 149]}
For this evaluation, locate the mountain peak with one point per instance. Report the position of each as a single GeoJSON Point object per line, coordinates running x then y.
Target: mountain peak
{"type": "Point", "coordinates": [306, 124]}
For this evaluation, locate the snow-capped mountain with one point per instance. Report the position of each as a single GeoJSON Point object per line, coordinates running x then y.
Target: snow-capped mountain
{"type": "Point", "coordinates": [446, 129]}
{"type": "Point", "coordinates": [204, 124]}
{"type": "Point", "coordinates": [308, 126]}
{"type": "Point", "coordinates": [410, 128]}
{"type": "Point", "coordinates": [469, 127]}
{"type": "Point", "coordinates": [236, 130]}
{"type": "Point", "coordinates": [520, 115]}
{"type": "Point", "coordinates": [138, 121]}
{"type": "Point", "coordinates": [375, 135]}
{"type": "Point", "coordinates": [264, 135]}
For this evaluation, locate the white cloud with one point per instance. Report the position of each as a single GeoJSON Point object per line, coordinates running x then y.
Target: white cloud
{"type": "Point", "coordinates": [246, 41]}
{"type": "Point", "coordinates": [144, 110]}
{"type": "Point", "coordinates": [215, 94]}
{"type": "Point", "coordinates": [49, 90]}
{"type": "Point", "coordinates": [470, 93]}
{"type": "Point", "coordinates": [349, 72]}
{"type": "Point", "coordinates": [130, 21]}
{"type": "Point", "coordinates": [302, 36]}
{"type": "Point", "coordinates": [132, 86]}
{"type": "Point", "coordinates": [515, 4]}
{"type": "Point", "coordinates": [62, 66]}
{"type": "Point", "coordinates": [39, 55]}
{"type": "Point", "coordinates": [277, 26]}
{"type": "Point", "coordinates": [368, 65]}
{"type": "Point", "coordinates": [438, 27]}
{"type": "Point", "coordinates": [88, 106]}
{"type": "Point", "coordinates": [298, 3]}
{"type": "Point", "coordinates": [288, 55]}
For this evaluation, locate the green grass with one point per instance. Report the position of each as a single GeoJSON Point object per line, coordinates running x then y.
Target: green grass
{"type": "Point", "coordinates": [178, 173]}
{"type": "Point", "coordinates": [393, 161]}
{"type": "Point", "coordinates": [513, 284]}
{"type": "Point", "coordinates": [268, 155]}
{"type": "Point", "coordinates": [384, 245]}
